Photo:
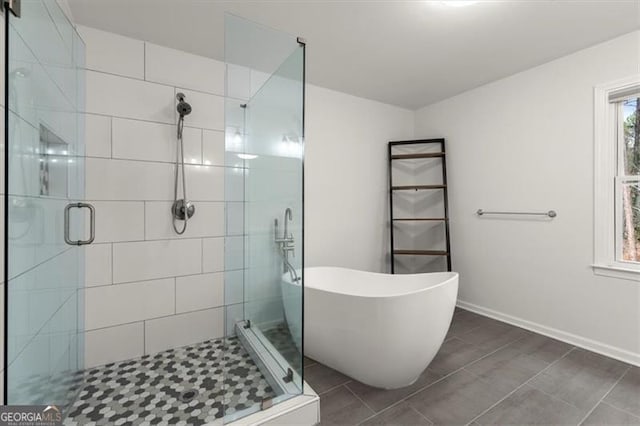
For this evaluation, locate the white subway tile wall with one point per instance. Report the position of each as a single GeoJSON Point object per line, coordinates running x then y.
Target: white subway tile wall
{"type": "Point", "coordinates": [213, 148]}
{"type": "Point", "coordinates": [208, 110]}
{"type": "Point", "coordinates": [149, 289]}
{"type": "Point", "coordinates": [114, 344]}
{"type": "Point", "coordinates": [112, 53]}
{"type": "Point", "coordinates": [125, 303]}
{"type": "Point", "coordinates": [183, 329]}
{"type": "Point", "coordinates": [146, 141]}
{"type": "Point", "coordinates": [97, 135]}
{"type": "Point", "coordinates": [178, 68]}
{"type": "Point", "coordinates": [147, 260]}
{"type": "Point", "coordinates": [197, 292]}
{"type": "Point", "coordinates": [117, 96]}
{"type": "Point", "coordinates": [98, 261]}
{"type": "Point", "coordinates": [213, 253]}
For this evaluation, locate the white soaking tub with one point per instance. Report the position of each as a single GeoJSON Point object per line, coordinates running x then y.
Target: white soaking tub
{"type": "Point", "coordinates": [382, 330]}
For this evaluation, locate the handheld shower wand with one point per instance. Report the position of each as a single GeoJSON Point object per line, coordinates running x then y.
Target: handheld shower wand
{"type": "Point", "coordinates": [181, 209]}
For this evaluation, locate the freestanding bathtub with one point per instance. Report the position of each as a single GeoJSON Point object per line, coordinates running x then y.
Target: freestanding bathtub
{"type": "Point", "coordinates": [382, 330]}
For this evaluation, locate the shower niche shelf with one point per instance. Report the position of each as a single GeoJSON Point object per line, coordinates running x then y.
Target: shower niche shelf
{"type": "Point", "coordinates": [418, 200]}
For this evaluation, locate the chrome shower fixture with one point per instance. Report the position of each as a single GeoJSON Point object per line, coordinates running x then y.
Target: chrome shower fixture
{"type": "Point", "coordinates": [181, 209]}
{"type": "Point", "coordinates": [286, 244]}
{"type": "Point", "coordinates": [183, 107]}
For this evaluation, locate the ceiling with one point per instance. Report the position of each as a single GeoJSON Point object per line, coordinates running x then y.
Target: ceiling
{"type": "Point", "coordinates": [406, 53]}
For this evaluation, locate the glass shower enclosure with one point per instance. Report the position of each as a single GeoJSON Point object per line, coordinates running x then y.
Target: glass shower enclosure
{"type": "Point", "coordinates": [45, 217]}
{"type": "Point", "coordinates": [49, 223]}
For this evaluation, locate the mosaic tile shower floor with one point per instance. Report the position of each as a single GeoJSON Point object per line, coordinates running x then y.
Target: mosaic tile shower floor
{"type": "Point", "coordinates": [148, 390]}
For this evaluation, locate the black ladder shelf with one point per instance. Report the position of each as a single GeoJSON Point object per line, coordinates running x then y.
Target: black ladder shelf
{"type": "Point", "coordinates": [426, 186]}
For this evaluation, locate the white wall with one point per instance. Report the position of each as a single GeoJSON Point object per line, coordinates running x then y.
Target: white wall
{"type": "Point", "coordinates": [526, 143]}
{"type": "Point", "coordinates": [346, 205]}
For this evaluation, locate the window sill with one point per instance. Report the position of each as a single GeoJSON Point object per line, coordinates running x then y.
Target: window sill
{"type": "Point", "coordinates": [616, 272]}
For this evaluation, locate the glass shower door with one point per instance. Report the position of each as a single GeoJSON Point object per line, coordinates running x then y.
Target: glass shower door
{"type": "Point", "coordinates": [264, 159]}
{"type": "Point", "coordinates": [44, 153]}
{"type": "Point", "coordinates": [273, 209]}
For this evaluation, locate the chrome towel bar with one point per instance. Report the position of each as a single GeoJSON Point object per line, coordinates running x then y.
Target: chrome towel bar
{"type": "Point", "coordinates": [550, 213]}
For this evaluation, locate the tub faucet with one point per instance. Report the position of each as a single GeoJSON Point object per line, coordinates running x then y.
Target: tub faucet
{"type": "Point", "coordinates": [286, 242]}
{"type": "Point", "coordinates": [288, 217]}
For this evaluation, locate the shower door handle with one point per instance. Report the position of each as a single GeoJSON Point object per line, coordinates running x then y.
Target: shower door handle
{"type": "Point", "coordinates": [92, 224]}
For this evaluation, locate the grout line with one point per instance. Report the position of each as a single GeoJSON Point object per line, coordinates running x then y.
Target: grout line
{"type": "Point", "coordinates": [143, 80]}
{"type": "Point", "coordinates": [158, 162]}
{"type": "Point", "coordinates": [312, 363]}
{"type": "Point", "coordinates": [522, 385]}
{"type": "Point", "coordinates": [155, 318]}
{"type": "Point", "coordinates": [619, 409]}
{"type": "Point", "coordinates": [113, 281]}
{"type": "Point", "coordinates": [144, 220]}
{"type": "Point", "coordinates": [110, 137]}
{"type": "Point", "coordinates": [605, 395]}
{"type": "Point", "coordinates": [148, 280]}
{"type": "Point", "coordinates": [93, 200]}
{"type": "Point", "coordinates": [144, 337]}
{"type": "Point", "coordinates": [117, 117]}
{"type": "Point", "coordinates": [331, 389]}
{"type": "Point", "coordinates": [144, 61]}
{"type": "Point", "coordinates": [357, 397]}
{"type": "Point", "coordinates": [129, 118]}
{"type": "Point", "coordinates": [175, 295]}
{"type": "Point", "coordinates": [202, 146]}
{"type": "Point", "coordinates": [159, 279]}
{"type": "Point", "coordinates": [155, 240]}
{"type": "Point", "coordinates": [422, 415]}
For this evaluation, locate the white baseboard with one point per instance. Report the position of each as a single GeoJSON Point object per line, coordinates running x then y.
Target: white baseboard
{"type": "Point", "coordinates": [582, 342]}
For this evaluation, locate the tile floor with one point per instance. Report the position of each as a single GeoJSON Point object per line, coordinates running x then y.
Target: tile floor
{"type": "Point", "coordinates": [492, 373]}
{"type": "Point", "coordinates": [281, 339]}
{"type": "Point", "coordinates": [148, 390]}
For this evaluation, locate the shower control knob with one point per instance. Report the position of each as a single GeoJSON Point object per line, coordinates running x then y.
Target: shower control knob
{"type": "Point", "coordinates": [179, 207]}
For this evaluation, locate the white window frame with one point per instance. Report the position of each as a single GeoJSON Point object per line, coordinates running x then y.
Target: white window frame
{"type": "Point", "coordinates": [607, 245]}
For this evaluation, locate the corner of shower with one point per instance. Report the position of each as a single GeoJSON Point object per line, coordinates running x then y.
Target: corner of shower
{"type": "Point", "coordinates": [264, 145]}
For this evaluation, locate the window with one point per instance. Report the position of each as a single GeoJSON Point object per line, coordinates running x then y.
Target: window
{"type": "Point", "coordinates": [617, 179]}
{"type": "Point", "coordinates": [627, 204]}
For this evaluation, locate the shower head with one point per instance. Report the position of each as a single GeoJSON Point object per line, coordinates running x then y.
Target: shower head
{"type": "Point", "coordinates": [183, 107]}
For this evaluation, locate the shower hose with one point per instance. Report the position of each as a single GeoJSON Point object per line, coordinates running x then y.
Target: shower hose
{"type": "Point", "coordinates": [179, 165]}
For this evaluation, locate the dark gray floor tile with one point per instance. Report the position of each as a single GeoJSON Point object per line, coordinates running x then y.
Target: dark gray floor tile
{"type": "Point", "coordinates": [309, 362]}
{"type": "Point", "coordinates": [455, 354]}
{"type": "Point", "coordinates": [529, 406]}
{"type": "Point", "coordinates": [322, 378]}
{"type": "Point", "coordinates": [604, 414]}
{"type": "Point", "coordinates": [507, 368]}
{"type": "Point", "coordinates": [466, 321]}
{"type": "Point", "coordinates": [626, 394]}
{"type": "Point", "coordinates": [493, 336]}
{"type": "Point", "coordinates": [341, 407]}
{"type": "Point", "coordinates": [541, 347]}
{"type": "Point", "coordinates": [400, 415]}
{"type": "Point", "coordinates": [379, 399]}
{"type": "Point", "coordinates": [457, 399]}
{"type": "Point", "coordinates": [581, 378]}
